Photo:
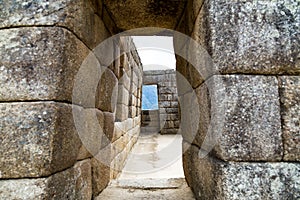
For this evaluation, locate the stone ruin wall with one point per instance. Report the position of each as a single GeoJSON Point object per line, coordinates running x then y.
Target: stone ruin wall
{"type": "Point", "coordinates": [167, 99]}
{"type": "Point", "coordinates": [42, 46]}
{"type": "Point", "coordinates": [253, 45]}
{"type": "Point", "coordinates": [255, 49]}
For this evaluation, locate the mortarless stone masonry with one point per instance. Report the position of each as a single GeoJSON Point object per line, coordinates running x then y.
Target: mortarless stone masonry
{"type": "Point", "coordinates": [42, 47]}
{"type": "Point", "coordinates": [255, 49]}
{"type": "Point", "coordinates": [167, 120]}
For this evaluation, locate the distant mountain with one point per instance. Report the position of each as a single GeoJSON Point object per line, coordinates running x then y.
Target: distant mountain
{"type": "Point", "coordinates": [149, 97]}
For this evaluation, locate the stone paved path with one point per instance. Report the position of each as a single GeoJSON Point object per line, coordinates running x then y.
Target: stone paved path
{"type": "Point", "coordinates": [153, 171]}
{"type": "Point", "coordinates": [154, 189]}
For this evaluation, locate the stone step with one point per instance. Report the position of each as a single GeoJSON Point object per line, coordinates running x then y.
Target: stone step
{"type": "Point", "coordinates": [154, 189]}
{"type": "Point", "coordinates": [149, 183]}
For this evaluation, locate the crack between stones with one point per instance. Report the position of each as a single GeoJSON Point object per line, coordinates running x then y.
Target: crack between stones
{"type": "Point", "coordinates": [181, 17]}
{"type": "Point", "coordinates": [250, 162]}
{"type": "Point", "coordinates": [39, 177]}
{"type": "Point", "coordinates": [148, 188]}
{"type": "Point", "coordinates": [47, 26]}
{"type": "Point", "coordinates": [281, 118]}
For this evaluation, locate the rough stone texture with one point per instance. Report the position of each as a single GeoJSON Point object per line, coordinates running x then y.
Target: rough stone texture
{"type": "Point", "coordinates": [90, 125]}
{"type": "Point", "coordinates": [109, 126]}
{"type": "Point", "coordinates": [290, 109]}
{"type": "Point", "coordinates": [44, 45]}
{"type": "Point", "coordinates": [121, 148]}
{"type": "Point", "coordinates": [141, 14]}
{"type": "Point", "coordinates": [37, 139]}
{"type": "Point", "coordinates": [123, 95]}
{"type": "Point", "coordinates": [242, 115]}
{"type": "Point", "coordinates": [121, 126]}
{"type": "Point", "coordinates": [211, 178]}
{"type": "Point", "coordinates": [83, 179]}
{"type": "Point", "coordinates": [79, 16]}
{"type": "Point", "coordinates": [107, 93]}
{"type": "Point", "coordinates": [39, 63]}
{"type": "Point", "coordinates": [251, 37]}
{"type": "Point", "coordinates": [73, 183]}
{"type": "Point", "coordinates": [148, 189]}
{"type": "Point", "coordinates": [242, 37]}
{"type": "Point", "coordinates": [101, 170]}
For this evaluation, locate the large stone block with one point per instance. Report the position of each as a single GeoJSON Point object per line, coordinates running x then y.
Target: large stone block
{"type": "Point", "coordinates": [101, 170]}
{"type": "Point", "coordinates": [123, 95]}
{"type": "Point", "coordinates": [90, 125]}
{"type": "Point", "coordinates": [251, 37]}
{"type": "Point", "coordinates": [119, 145]}
{"type": "Point", "coordinates": [73, 183]}
{"type": "Point", "coordinates": [83, 179]}
{"type": "Point", "coordinates": [239, 118]}
{"type": "Point", "coordinates": [119, 130]}
{"type": "Point", "coordinates": [75, 15]}
{"type": "Point", "coordinates": [107, 94]}
{"type": "Point", "coordinates": [37, 139]}
{"type": "Point", "coordinates": [122, 112]}
{"type": "Point", "coordinates": [211, 178]}
{"type": "Point", "coordinates": [39, 63]}
{"type": "Point", "coordinates": [125, 80]}
{"type": "Point", "coordinates": [145, 14]}
{"type": "Point", "coordinates": [109, 126]}
{"type": "Point", "coordinates": [290, 111]}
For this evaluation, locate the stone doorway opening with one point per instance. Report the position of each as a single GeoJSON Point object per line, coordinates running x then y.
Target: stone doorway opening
{"type": "Point", "coordinates": [156, 159]}
{"type": "Point", "coordinates": [158, 152]}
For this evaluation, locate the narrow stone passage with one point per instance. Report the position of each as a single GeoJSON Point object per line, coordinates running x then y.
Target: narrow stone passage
{"type": "Point", "coordinates": [153, 171]}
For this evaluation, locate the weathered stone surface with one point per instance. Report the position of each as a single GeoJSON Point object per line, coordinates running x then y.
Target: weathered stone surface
{"type": "Point", "coordinates": [73, 183]}
{"type": "Point", "coordinates": [119, 145]}
{"type": "Point", "coordinates": [23, 189]}
{"type": "Point", "coordinates": [107, 95]}
{"type": "Point", "coordinates": [122, 112]}
{"type": "Point", "coordinates": [86, 82]}
{"type": "Point", "coordinates": [109, 119]}
{"type": "Point", "coordinates": [83, 153]}
{"type": "Point", "coordinates": [101, 170]}
{"type": "Point", "coordinates": [109, 22]}
{"type": "Point", "coordinates": [123, 95]}
{"type": "Point", "coordinates": [125, 80]}
{"type": "Point", "coordinates": [211, 178]}
{"type": "Point", "coordinates": [244, 115]}
{"type": "Point", "coordinates": [145, 14]}
{"type": "Point", "coordinates": [37, 139]}
{"type": "Point", "coordinates": [39, 63]}
{"type": "Point", "coordinates": [76, 15]}
{"type": "Point", "coordinates": [106, 52]}
{"type": "Point", "coordinates": [252, 37]}
{"type": "Point", "coordinates": [90, 125]}
{"type": "Point", "coordinates": [114, 193]}
{"type": "Point", "coordinates": [190, 117]}
{"type": "Point", "coordinates": [119, 130]}
{"type": "Point", "coordinates": [83, 179]}
{"type": "Point", "coordinates": [290, 111]}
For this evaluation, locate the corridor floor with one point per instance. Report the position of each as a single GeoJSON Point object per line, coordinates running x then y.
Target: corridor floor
{"type": "Point", "coordinates": [153, 171]}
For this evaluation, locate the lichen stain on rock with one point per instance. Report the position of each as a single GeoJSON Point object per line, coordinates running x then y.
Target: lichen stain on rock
{"type": "Point", "coordinates": [159, 7]}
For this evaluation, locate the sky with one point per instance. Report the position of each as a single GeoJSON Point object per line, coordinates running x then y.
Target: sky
{"type": "Point", "coordinates": [156, 52]}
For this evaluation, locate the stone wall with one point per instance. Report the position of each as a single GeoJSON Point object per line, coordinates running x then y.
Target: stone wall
{"type": "Point", "coordinates": [167, 98]}
{"type": "Point", "coordinates": [150, 121]}
{"type": "Point", "coordinates": [254, 45]}
{"type": "Point", "coordinates": [128, 114]}
{"type": "Point", "coordinates": [255, 49]}
{"type": "Point", "coordinates": [56, 144]}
